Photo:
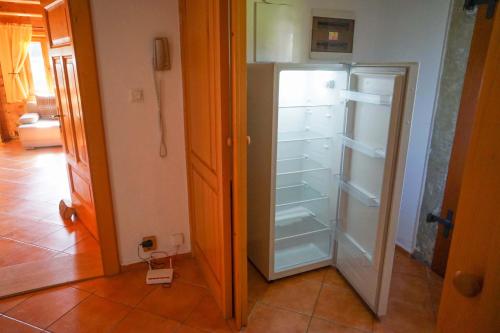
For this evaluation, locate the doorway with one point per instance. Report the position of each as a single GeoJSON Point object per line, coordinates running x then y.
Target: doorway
{"type": "Point", "coordinates": [49, 224]}
{"type": "Point", "coordinates": [312, 226]}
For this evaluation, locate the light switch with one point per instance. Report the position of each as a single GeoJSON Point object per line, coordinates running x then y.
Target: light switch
{"type": "Point", "coordinates": [136, 96]}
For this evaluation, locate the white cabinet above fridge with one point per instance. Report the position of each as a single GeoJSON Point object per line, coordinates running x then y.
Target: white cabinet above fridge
{"type": "Point", "coordinates": [328, 144]}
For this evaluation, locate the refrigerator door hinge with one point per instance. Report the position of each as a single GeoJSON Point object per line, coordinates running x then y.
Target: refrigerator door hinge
{"type": "Point", "coordinates": [470, 5]}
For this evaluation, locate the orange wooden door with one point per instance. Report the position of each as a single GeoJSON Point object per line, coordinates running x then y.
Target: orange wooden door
{"type": "Point", "coordinates": [64, 67]}
{"type": "Point", "coordinates": [205, 52]}
{"type": "Point", "coordinates": [471, 294]}
{"type": "Point", "coordinates": [468, 103]}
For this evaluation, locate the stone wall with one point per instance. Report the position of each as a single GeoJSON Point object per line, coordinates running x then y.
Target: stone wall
{"type": "Point", "coordinates": [448, 104]}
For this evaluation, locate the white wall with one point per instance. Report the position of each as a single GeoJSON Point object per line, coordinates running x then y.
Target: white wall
{"type": "Point", "coordinates": [394, 31]}
{"type": "Point", "coordinates": [149, 193]}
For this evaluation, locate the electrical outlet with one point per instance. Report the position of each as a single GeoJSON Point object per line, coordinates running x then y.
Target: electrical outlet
{"type": "Point", "coordinates": [136, 96]}
{"type": "Point", "coordinates": [177, 239]}
{"type": "Point", "coordinates": [153, 240]}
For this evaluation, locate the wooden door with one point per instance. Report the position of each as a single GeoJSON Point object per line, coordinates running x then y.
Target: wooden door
{"type": "Point", "coordinates": [64, 67]}
{"type": "Point", "coordinates": [472, 83]}
{"type": "Point", "coordinates": [471, 294]}
{"type": "Point", "coordinates": [205, 52]}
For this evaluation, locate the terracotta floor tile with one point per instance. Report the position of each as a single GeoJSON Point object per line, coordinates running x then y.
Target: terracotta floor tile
{"type": "Point", "coordinates": [141, 321]}
{"type": "Point", "coordinates": [64, 238]}
{"type": "Point", "coordinates": [17, 253]}
{"type": "Point", "coordinates": [8, 303]}
{"type": "Point", "coordinates": [187, 329]}
{"type": "Point", "coordinates": [405, 318]}
{"type": "Point", "coordinates": [207, 316]}
{"type": "Point", "coordinates": [334, 278]}
{"type": "Point", "coordinates": [403, 263]}
{"type": "Point", "coordinates": [175, 302]}
{"type": "Point", "coordinates": [293, 294]}
{"type": "Point", "coordinates": [45, 307]}
{"type": "Point", "coordinates": [343, 306]}
{"type": "Point", "coordinates": [86, 245]}
{"type": "Point", "coordinates": [189, 271]}
{"type": "Point", "coordinates": [128, 288]}
{"type": "Point", "coordinates": [8, 325]}
{"type": "Point", "coordinates": [257, 285]}
{"type": "Point", "coordinates": [26, 230]}
{"type": "Point", "coordinates": [268, 319]}
{"type": "Point", "coordinates": [411, 289]}
{"type": "Point", "coordinates": [323, 326]}
{"type": "Point", "coordinates": [318, 275]}
{"type": "Point", "coordinates": [95, 314]}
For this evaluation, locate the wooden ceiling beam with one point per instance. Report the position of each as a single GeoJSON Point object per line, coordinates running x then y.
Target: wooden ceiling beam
{"type": "Point", "coordinates": [36, 22]}
{"type": "Point", "coordinates": [23, 2]}
{"type": "Point", "coordinates": [22, 10]}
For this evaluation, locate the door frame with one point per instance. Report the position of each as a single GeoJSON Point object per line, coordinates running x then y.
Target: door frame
{"type": "Point", "coordinates": [240, 139]}
{"type": "Point", "coordinates": [83, 44]}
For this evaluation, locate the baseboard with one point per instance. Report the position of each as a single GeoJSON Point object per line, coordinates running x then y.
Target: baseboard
{"type": "Point", "coordinates": [401, 249]}
{"type": "Point", "coordinates": [140, 264]}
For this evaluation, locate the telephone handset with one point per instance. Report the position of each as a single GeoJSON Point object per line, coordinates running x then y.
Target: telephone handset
{"type": "Point", "coordinates": [161, 56]}
{"type": "Point", "coordinates": [161, 62]}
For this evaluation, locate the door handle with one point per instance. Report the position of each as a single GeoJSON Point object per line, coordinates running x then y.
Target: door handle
{"type": "Point", "coordinates": [55, 116]}
{"type": "Point", "coordinates": [249, 140]}
{"type": "Point", "coordinates": [468, 285]}
{"type": "Point", "coordinates": [447, 222]}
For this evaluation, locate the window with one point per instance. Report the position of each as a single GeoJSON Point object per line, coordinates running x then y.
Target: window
{"type": "Point", "coordinates": [38, 69]}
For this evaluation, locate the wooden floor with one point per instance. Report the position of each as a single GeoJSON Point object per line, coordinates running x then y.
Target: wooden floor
{"type": "Point", "coordinates": [32, 182]}
{"type": "Point", "coordinates": [322, 301]}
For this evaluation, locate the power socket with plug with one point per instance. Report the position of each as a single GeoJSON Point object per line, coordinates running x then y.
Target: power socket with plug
{"type": "Point", "coordinates": [149, 243]}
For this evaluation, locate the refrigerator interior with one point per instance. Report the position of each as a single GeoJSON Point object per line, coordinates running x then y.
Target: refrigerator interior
{"type": "Point", "coordinates": [308, 156]}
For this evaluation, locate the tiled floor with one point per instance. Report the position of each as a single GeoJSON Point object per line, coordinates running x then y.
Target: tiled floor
{"type": "Point", "coordinates": [31, 184]}
{"type": "Point", "coordinates": [318, 301]}
{"type": "Point", "coordinates": [122, 303]}
{"type": "Point", "coordinates": [322, 301]}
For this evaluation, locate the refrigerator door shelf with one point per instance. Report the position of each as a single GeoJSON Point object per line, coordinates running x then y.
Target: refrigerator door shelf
{"type": "Point", "coordinates": [358, 193]}
{"type": "Point", "coordinates": [362, 97]}
{"type": "Point", "coordinates": [362, 147]}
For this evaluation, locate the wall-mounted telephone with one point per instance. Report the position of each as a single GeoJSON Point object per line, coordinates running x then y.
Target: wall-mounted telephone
{"type": "Point", "coordinates": [161, 62]}
{"type": "Point", "coordinates": [161, 56]}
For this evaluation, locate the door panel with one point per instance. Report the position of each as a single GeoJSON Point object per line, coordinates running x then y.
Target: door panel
{"type": "Point", "coordinates": [474, 253]}
{"type": "Point", "coordinates": [58, 26]}
{"type": "Point", "coordinates": [205, 73]}
{"type": "Point", "coordinates": [70, 110]}
{"type": "Point", "coordinates": [372, 126]}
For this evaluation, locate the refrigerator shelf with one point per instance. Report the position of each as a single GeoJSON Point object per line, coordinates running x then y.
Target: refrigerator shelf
{"type": "Point", "coordinates": [297, 165]}
{"type": "Point", "coordinates": [300, 228]}
{"type": "Point", "coordinates": [293, 195]}
{"type": "Point", "coordinates": [357, 96]}
{"type": "Point", "coordinates": [363, 148]}
{"type": "Point", "coordinates": [301, 136]}
{"type": "Point", "coordinates": [358, 193]}
{"type": "Point", "coordinates": [299, 255]}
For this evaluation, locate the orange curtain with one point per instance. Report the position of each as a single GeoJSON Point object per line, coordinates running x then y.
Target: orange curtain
{"type": "Point", "coordinates": [15, 40]}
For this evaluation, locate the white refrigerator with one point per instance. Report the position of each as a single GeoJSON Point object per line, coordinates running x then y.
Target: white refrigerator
{"type": "Point", "coordinates": [325, 168]}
